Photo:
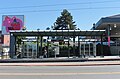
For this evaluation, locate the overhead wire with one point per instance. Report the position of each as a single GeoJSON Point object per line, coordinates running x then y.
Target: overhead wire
{"type": "Point", "coordinates": [84, 8]}
{"type": "Point", "coordinates": [74, 9]}
{"type": "Point", "coordinates": [98, 2]}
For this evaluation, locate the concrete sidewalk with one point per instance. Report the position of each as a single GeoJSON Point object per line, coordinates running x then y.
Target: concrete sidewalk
{"type": "Point", "coordinates": [63, 61]}
{"type": "Point", "coordinates": [88, 63]}
{"type": "Point", "coordinates": [105, 58]}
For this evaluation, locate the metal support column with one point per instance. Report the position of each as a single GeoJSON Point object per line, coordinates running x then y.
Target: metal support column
{"type": "Point", "coordinates": [102, 55]}
{"type": "Point", "coordinates": [12, 45]}
{"type": "Point", "coordinates": [89, 49]}
{"type": "Point", "coordinates": [41, 47]}
{"type": "Point", "coordinates": [94, 49]}
{"type": "Point", "coordinates": [38, 52]}
{"type": "Point", "coordinates": [74, 45]}
{"type": "Point", "coordinates": [80, 51]}
{"type": "Point", "coordinates": [47, 48]}
{"type": "Point", "coordinates": [79, 47]}
{"type": "Point", "coordinates": [68, 45]}
{"type": "Point", "coordinates": [15, 55]}
{"type": "Point", "coordinates": [27, 55]}
{"type": "Point", "coordinates": [84, 50]}
{"type": "Point", "coordinates": [68, 48]}
{"type": "Point", "coordinates": [109, 28]}
{"type": "Point", "coordinates": [23, 49]}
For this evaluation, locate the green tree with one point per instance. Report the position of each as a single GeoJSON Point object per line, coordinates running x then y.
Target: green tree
{"type": "Point", "coordinates": [64, 22]}
{"type": "Point", "coordinates": [47, 28]}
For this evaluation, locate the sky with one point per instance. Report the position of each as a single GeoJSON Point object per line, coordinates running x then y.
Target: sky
{"type": "Point", "coordinates": [43, 13]}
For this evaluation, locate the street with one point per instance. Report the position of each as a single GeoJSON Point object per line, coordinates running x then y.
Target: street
{"type": "Point", "coordinates": [60, 72]}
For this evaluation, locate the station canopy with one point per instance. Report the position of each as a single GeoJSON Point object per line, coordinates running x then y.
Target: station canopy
{"type": "Point", "coordinates": [58, 33]}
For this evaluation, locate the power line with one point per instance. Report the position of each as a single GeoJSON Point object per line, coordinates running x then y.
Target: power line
{"type": "Point", "coordinates": [108, 1]}
{"type": "Point", "coordinates": [33, 11]}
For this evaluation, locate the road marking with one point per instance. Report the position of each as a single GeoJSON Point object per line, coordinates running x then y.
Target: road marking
{"type": "Point", "coordinates": [52, 74]}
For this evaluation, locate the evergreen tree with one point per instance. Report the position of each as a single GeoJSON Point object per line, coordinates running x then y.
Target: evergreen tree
{"type": "Point", "coordinates": [64, 22]}
{"type": "Point", "coordinates": [47, 28]}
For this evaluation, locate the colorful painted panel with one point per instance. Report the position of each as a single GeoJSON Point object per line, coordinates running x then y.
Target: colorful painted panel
{"type": "Point", "coordinates": [12, 22]}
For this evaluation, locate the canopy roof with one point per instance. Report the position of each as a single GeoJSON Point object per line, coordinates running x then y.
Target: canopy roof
{"type": "Point", "coordinates": [59, 33]}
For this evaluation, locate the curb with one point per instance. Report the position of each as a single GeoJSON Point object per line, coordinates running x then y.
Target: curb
{"type": "Point", "coordinates": [57, 64]}
{"type": "Point", "coordinates": [56, 60]}
{"type": "Point", "coordinates": [41, 60]}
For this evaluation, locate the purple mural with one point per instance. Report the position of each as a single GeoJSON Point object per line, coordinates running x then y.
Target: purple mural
{"type": "Point", "coordinates": [12, 23]}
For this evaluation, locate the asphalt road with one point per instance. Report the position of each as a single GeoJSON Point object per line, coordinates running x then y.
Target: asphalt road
{"type": "Point", "coordinates": [60, 72]}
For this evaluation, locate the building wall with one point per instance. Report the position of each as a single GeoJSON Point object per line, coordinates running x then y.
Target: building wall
{"type": "Point", "coordinates": [1, 38]}
{"type": "Point", "coordinates": [115, 50]}
{"type": "Point", "coordinates": [6, 40]}
{"type": "Point", "coordinates": [1, 41]}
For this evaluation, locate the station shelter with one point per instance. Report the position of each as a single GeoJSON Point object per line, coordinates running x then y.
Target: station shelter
{"type": "Point", "coordinates": [58, 43]}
